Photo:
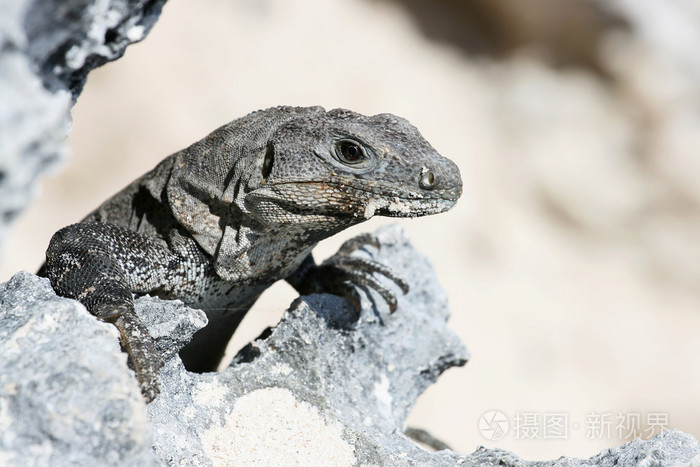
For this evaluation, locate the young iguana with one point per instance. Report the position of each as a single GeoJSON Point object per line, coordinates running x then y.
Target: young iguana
{"type": "Point", "coordinates": [217, 223]}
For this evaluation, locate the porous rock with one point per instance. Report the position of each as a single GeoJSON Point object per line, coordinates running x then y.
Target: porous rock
{"type": "Point", "coordinates": [67, 396]}
{"type": "Point", "coordinates": [326, 386]}
{"type": "Point", "coordinates": [47, 48]}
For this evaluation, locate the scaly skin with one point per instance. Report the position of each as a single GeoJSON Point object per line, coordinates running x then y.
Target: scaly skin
{"type": "Point", "coordinates": [217, 223]}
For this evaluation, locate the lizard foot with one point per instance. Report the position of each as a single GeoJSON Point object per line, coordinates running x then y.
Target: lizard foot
{"type": "Point", "coordinates": [344, 271]}
{"type": "Point", "coordinates": [138, 344]}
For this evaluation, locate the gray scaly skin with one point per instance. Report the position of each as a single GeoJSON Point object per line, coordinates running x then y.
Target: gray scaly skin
{"type": "Point", "coordinates": [217, 223]}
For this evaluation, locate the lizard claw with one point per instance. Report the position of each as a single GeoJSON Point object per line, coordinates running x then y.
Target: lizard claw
{"type": "Point", "coordinates": [360, 271]}
{"type": "Point", "coordinates": [355, 243]}
{"type": "Point", "coordinates": [340, 273]}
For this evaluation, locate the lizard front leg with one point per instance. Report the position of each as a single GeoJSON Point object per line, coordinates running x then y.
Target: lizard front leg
{"type": "Point", "coordinates": [340, 272]}
{"type": "Point", "coordinates": [100, 265]}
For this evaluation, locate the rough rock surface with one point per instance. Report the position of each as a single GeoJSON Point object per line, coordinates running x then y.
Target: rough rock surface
{"type": "Point", "coordinates": [67, 396]}
{"type": "Point", "coordinates": [47, 48]}
{"type": "Point", "coordinates": [672, 448]}
{"type": "Point", "coordinates": [325, 386]}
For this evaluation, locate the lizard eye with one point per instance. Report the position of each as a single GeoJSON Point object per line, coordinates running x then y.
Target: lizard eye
{"type": "Point", "coordinates": [350, 152]}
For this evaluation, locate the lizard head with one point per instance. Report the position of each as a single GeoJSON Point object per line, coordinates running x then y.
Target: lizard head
{"type": "Point", "coordinates": [306, 169]}
{"type": "Point", "coordinates": [343, 164]}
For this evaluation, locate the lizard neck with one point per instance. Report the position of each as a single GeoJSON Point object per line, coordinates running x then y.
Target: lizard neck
{"type": "Point", "coordinates": [263, 253]}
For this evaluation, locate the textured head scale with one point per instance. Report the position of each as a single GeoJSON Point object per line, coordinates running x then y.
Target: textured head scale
{"type": "Point", "coordinates": [207, 176]}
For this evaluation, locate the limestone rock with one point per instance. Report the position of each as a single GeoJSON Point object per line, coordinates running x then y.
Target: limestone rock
{"type": "Point", "coordinates": [67, 396]}
{"type": "Point", "coordinates": [47, 48]}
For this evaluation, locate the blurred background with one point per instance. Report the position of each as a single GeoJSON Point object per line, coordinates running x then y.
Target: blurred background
{"type": "Point", "coordinates": [572, 261]}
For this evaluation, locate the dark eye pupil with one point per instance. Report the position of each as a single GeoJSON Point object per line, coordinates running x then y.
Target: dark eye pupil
{"type": "Point", "coordinates": [350, 151]}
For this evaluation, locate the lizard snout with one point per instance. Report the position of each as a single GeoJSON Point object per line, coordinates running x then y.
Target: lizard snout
{"type": "Point", "coordinates": [441, 180]}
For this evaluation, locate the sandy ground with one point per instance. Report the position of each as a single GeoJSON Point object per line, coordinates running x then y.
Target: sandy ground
{"type": "Point", "coordinates": [576, 306]}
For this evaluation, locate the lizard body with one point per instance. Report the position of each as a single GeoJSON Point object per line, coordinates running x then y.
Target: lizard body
{"type": "Point", "coordinates": [220, 221]}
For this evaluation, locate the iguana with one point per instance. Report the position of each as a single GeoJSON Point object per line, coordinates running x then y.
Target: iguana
{"type": "Point", "coordinates": [217, 223]}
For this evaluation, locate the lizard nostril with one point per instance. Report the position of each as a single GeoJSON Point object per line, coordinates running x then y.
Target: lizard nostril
{"type": "Point", "coordinates": [427, 179]}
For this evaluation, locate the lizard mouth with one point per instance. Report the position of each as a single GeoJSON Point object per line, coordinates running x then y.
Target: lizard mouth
{"type": "Point", "coordinates": [385, 190]}
{"type": "Point", "coordinates": [354, 198]}
{"type": "Point", "coordinates": [372, 188]}
{"type": "Point", "coordinates": [403, 207]}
